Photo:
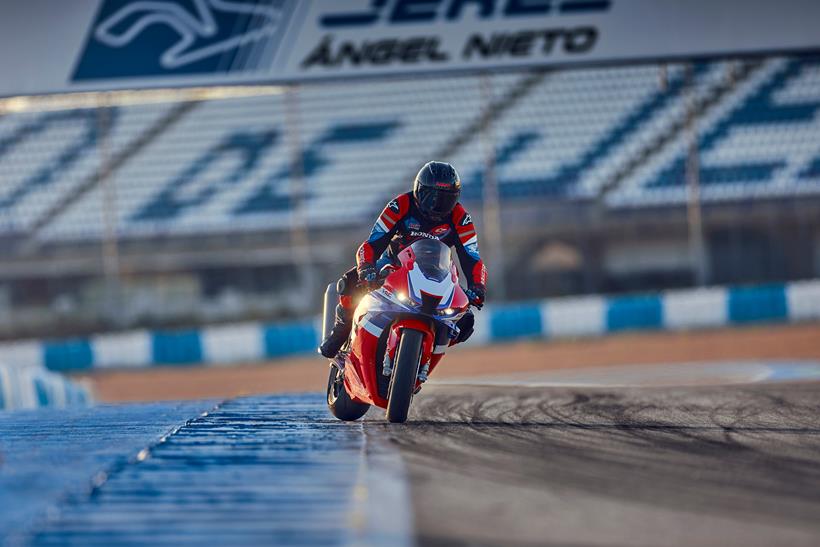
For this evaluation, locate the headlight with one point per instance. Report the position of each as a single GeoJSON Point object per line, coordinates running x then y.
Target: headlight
{"type": "Point", "coordinates": [398, 298]}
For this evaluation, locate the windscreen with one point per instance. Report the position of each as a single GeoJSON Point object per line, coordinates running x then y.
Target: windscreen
{"type": "Point", "coordinates": [432, 258]}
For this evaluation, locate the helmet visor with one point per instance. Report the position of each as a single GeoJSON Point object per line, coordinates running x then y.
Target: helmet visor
{"type": "Point", "coordinates": [437, 202]}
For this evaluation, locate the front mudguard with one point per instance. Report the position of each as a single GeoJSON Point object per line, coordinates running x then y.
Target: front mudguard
{"type": "Point", "coordinates": [363, 376]}
{"type": "Point", "coordinates": [419, 324]}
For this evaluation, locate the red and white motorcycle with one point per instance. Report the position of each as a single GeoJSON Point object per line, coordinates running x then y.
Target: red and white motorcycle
{"type": "Point", "coordinates": [400, 333]}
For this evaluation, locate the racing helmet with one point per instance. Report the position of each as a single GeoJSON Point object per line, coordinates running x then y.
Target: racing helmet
{"type": "Point", "coordinates": [436, 189]}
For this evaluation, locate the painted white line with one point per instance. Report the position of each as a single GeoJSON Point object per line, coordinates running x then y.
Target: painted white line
{"type": "Point", "coordinates": [28, 353]}
{"type": "Point", "coordinates": [574, 316]}
{"type": "Point", "coordinates": [231, 344]}
{"type": "Point", "coordinates": [698, 308]}
{"type": "Point", "coordinates": [120, 350]}
{"type": "Point", "coordinates": [804, 300]}
{"type": "Point", "coordinates": [678, 374]}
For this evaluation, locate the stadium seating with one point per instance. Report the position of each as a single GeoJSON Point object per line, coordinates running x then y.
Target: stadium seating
{"type": "Point", "coordinates": [43, 156]}
{"type": "Point", "coordinates": [579, 127]}
{"type": "Point", "coordinates": [225, 165]}
{"type": "Point", "coordinates": [762, 140]}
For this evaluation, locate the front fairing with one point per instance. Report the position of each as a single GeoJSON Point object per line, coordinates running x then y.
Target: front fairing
{"type": "Point", "coordinates": [385, 302]}
{"type": "Point", "coordinates": [427, 281]}
{"type": "Point", "coordinates": [434, 304]}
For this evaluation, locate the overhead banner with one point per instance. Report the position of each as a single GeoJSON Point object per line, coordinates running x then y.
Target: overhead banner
{"type": "Point", "coordinates": [48, 46]}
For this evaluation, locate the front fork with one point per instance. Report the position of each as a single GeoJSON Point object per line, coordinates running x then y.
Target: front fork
{"type": "Point", "coordinates": [428, 358]}
{"type": "Point", "coordinates": [387, 368]}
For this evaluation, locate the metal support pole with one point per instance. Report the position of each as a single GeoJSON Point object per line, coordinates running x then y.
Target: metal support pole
{"type": "Point", "coordinates": [492, 203]}
{"type": "Point", "coordinates": [299, 222]}
{"type": "Point", "coordinates": [663, 78]}
{"type": "Point", "coordinates": [697, 245]}
{"type": "Point", "coordinates": [110, 242]}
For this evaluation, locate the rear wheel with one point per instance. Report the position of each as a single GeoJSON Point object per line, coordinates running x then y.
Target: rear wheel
{"type": "Point", "coordinates": [405, 372]}
{"type": "Point", "coordinates": [339, 402]}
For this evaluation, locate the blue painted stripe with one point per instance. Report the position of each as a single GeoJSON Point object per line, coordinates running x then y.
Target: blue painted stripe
{"type": "Point", "coordinates": [73, 394]}
{"type": "Point", "coordinates": [742, 305]}
{"type": "Point", "coordinates": [510, 322]}
{"type": "Point", "coordinates": [42, 392]}
{"type": "Point", "coordinates": [176, 347]}
{"type": "Point", "coordinates": [634, 313]}
{"type": "Point", "coordinates": [74, 354]}
{"type": "Point", "coordinates": [290, 338]}
{"type": "Point", "coordinates": [753, 304]}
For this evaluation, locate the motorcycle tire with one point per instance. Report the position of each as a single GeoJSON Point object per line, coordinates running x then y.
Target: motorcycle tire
{"type": "Point", "coordinates": [405, 372]}
{"type": "Point", "coordinates": [339, 402]}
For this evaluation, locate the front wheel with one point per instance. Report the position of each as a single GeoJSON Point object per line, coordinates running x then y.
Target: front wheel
{"type": "Point", "coordinates": [405, 371]}
{"type": "Point", "coordinates": [339, 402]}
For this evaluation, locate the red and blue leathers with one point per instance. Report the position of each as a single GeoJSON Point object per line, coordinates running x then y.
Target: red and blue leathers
{"type": "Point", "coordinates": [398, 226]}
{"type": "Point", "coordinates": [401, 223]}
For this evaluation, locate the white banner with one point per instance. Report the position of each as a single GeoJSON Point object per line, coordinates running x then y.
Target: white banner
{"type": "Point", "coordinates": [51, 46]}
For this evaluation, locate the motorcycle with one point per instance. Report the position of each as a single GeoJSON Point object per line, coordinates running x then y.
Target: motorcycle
{"type": "Point", "coordinates": [399, 335]}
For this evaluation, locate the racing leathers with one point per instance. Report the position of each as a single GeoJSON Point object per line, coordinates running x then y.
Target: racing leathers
{"type": "Point", "coordinates": [399, 225]}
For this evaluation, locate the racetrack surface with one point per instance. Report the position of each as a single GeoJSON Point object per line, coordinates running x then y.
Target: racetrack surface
{"type": "Point", "coordinates": [721, 465]}
{"type": "Point", "coordinates": [489, 462]}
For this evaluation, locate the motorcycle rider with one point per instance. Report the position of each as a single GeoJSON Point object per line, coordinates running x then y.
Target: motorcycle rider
{"type": "Point", "coordinates": [430, 210]}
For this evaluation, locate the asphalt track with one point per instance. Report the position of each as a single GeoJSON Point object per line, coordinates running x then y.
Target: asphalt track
{"type": "Point", "coordinates": [493, 462]}
{"type": "Point", "coordinates": [502, 465]}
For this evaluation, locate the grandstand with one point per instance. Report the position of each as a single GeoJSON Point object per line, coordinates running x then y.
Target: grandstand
{"type": "Point", "coordinates": [208, 186]}
{"type": "Point", "coordinates": [224, 165]}
{"type": "Point", "coordinates": [759, 141]}
{"type": "Point", "coordinates": [46, 157]}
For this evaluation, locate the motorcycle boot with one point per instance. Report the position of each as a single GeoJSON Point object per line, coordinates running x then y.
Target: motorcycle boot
{"type": "Point", "coordinates": [338, 334]}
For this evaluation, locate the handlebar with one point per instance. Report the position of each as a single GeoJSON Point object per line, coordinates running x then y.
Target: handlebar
{"type": "Point", "coordinates": [387, 269]}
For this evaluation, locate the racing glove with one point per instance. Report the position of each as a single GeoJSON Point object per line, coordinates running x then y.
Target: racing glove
{"type": "Point", "coordinates": [367, 275]}
{"type": "Point", "coordinates": [465, 327]}
{"type": "Point", "coordinates": [476, 293]}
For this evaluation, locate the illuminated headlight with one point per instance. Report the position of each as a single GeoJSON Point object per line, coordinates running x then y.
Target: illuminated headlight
{"type": "Point", "coordinates": [446, 312]}
{"type": "Point", "coordinates": [401, 296]}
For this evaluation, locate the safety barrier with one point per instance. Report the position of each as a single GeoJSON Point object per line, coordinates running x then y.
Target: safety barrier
{"type": "Point", "coordinates": [24, 386]}
{"type": "Point", "coordinates": [555, 318]}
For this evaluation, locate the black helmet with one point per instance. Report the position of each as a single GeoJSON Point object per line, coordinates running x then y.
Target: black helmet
{"type": "Point", "coordinates": [437, 188]}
